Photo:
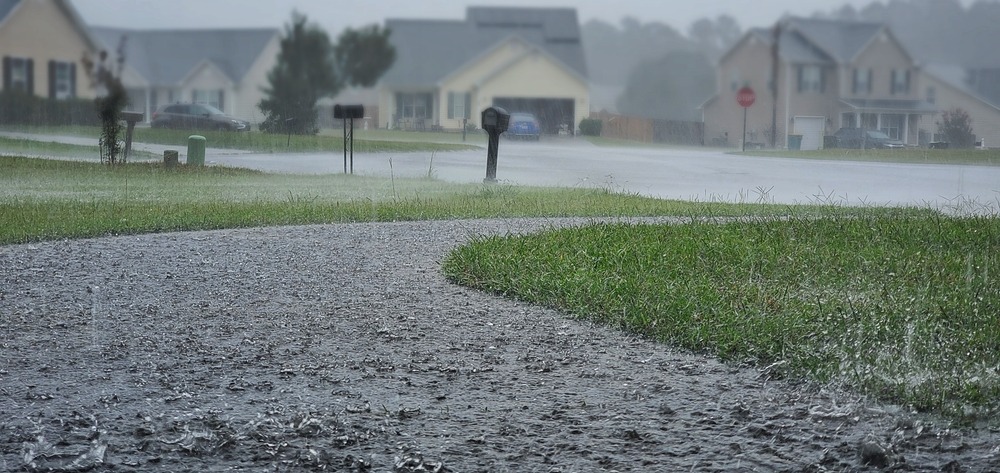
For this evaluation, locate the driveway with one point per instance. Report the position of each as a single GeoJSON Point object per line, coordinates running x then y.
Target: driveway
{"type": "Point", "coordinates": [673, 173]}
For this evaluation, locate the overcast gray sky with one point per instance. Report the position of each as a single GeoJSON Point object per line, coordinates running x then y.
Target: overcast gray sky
{"type": "Point", "coordinates": [334, 15]}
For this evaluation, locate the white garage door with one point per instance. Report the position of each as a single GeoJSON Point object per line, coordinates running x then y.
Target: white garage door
{"type": "Point", "coordinates": [811, 129]}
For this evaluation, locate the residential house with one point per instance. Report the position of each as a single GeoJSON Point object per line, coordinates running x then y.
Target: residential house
{"type": "Point", "coordinates": [522, 59]}
{"type": "Point", "coordinates": [972, 90]}
{"type": "Point", "coordinates": [42, 46]}
{"type": "Point", "coordinates": [225, 68]}
{"type": "Point", "coordinates": [812, 77]}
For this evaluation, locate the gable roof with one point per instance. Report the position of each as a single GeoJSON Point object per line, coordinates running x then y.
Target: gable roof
{"type": "Point", "coordinates": [429, 50]}
{"type": "Point", "coordinates": [811, 40]}
{"type": "Point", "coordinates": [7, 7]}
{"type": "Point", "coordinates": [167, 57]}
{"type": "Point", "coordinates": [955, 76]}
{"type": "Point", "coordinates": [841, 40]}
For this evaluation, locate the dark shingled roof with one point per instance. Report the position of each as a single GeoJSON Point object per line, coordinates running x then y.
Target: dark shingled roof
{"type": "Point", "coordinates": [429, 50]}
{"type": "Point", "coordinates": [7, 6]}
{"type": "Point", "coordinates": [166, 57]}
{"type": "Point", "coordinates": [808, 40]}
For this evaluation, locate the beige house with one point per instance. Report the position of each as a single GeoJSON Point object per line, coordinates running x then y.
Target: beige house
{"type": "Point", "coordinates": [225, 68]}
{"type": "Point", "coordinates": [42, 45]}
{"type": "Point", "coordinates": [812, 77]}
{"type": "Point", "coordinates": [523, 59]}
{"type": "Point", "coordinates": [950, 87]}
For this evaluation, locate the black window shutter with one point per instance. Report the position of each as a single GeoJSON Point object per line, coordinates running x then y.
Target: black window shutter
{"type": "Point", "coordinates": [907, 80]}
{"type": "Point", "coordinates": [222, 100]}
{"type": "Point", "coordinates": [799, 70]}
{"type": "Point", "coordinates": [72, 79]}
{"type": "Point", "coordinates": [468, 105]}
{"type": "Point", "coordinates": [451, 105]}
{"type": "Point", "coordinates": [6, 73]}
{"type": "Point", "coordinates": [52, 79]}
{"type": "Point", "coordinates": [31, 77]}
{"type": "Point", "coordinates": [871, 80]}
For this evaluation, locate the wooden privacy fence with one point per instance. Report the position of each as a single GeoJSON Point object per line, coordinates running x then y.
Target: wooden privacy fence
{"type": "Point", "coordinates": [650, 130]}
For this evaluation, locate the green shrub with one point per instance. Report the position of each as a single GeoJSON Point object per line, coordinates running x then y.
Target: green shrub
{"type": "Point", "coordinates": [591, 127]}
{"type": "Point", "coordinates": [19, 108]}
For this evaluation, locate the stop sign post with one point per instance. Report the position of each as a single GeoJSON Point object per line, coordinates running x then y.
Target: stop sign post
{"type": "Point", "coordinates": [745, 97]}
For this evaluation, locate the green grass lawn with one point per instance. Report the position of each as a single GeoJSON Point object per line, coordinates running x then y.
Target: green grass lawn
{"type": "Point", "coordinates": [901, 304]}
{"type": "Point", "coordinates": [22, 147]}
{"type": "Point", "coordinates": [329, 140]}
{"type": "Point", "coordinates": [46, 199]}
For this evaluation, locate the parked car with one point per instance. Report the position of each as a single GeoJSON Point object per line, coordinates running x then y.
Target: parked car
{"type": "Point", "coordinates": [524, 126]}
{"type": "Point", "coordinates": [860, 138]}
{"type": "Point", "coordinates": [196, 116]}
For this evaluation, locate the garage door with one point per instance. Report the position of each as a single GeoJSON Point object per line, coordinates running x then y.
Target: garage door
{"type": "Point", "coordinates": [550, 112]}
{"type": "Point", "coordinates": [811, 129]}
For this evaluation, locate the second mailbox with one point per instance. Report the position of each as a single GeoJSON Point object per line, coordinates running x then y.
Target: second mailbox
{"type": "Point", "coordinates": [495, 120]}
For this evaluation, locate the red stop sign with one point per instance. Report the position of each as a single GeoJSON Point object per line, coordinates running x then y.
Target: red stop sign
{"type": "Point", "coordinates": [745, 97]}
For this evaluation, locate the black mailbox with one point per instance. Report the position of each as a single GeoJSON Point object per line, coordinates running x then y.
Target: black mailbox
{"type": "Point", "coordinates": [495, 120]}
{"type": "Point", "coordinates": [341, 112]}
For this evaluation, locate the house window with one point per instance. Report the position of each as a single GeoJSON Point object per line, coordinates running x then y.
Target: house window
{"type": "Point", "coordinates": [414, 105]}
{"type": "Point", "coordinates": [810, 78]}
{"type": "Point", "coordinates": [863, 81]}
{"type": "Point", "coordinates": [931, 95]}
{"type": "Point", "coordinates": [62, 80]}
{"type": "Point", "coordinates": [892, 124]}
{"type": "Point", "coordinates": [900, 81]}
{"type": "Point", "coordinates": [211, 97]}
{"type": "Point", "coordinates": [17, 74]}
{"type": "Point", "coordinates": [458, 105]}
{"type": "Point", "coordinates": [848, 120]}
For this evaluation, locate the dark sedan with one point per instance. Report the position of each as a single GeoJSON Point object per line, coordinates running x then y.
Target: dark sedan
{"type": "Point", "coordinates": [860, 138]}
{"type": "Point", "coordinates": [196, 117]}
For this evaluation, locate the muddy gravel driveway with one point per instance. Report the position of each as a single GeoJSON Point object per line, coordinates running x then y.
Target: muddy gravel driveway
{"type": "Point", "coordinates": [343, 348]}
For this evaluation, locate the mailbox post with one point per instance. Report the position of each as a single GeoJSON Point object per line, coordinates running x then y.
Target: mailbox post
{"type": "Point", "coordinates": [131, 118]}
{"type": "Point", "coordinates": [348, 113]}
{"type": "Point", "coordinates": [495, 121]}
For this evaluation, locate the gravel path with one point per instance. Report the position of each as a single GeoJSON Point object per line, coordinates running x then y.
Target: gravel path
{"type": "Point", "coordinates": [343, 348]}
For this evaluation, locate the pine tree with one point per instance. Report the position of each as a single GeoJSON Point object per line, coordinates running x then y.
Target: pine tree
{"type": "Point", "coordinates": [310, 67]}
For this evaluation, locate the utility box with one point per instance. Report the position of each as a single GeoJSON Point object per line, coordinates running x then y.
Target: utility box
{"type": "Point", "coordinates": [495, 120]}
{"type": "Point", "coordinates": [196, 150]}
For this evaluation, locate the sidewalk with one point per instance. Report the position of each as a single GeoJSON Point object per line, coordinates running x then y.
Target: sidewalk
{"type": "Point", "coordinates": [157, 149]}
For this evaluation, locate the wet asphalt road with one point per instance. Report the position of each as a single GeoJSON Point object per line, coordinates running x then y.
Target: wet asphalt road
{"type": "Point", "coordinates": [675, 173]}
{"type": "Point", "coordinates": [702, 174]}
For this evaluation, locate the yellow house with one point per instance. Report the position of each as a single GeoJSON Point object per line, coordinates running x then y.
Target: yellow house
{"type": "Point", "coordinates": [42, 44]}
{"type": "Point", "coordinates": [523, 59]}
{"type": "Point", "coordinates": [224, 68]}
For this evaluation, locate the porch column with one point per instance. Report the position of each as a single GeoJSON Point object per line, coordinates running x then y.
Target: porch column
{"type": "Point", "coordinates": [857, 120]}
{"type": "Point", "coordinates": [149, 101]}
{"type": "Point", "coordinates": [906, 129]}
{"type": "Point", "coordinates": [878, 121]}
